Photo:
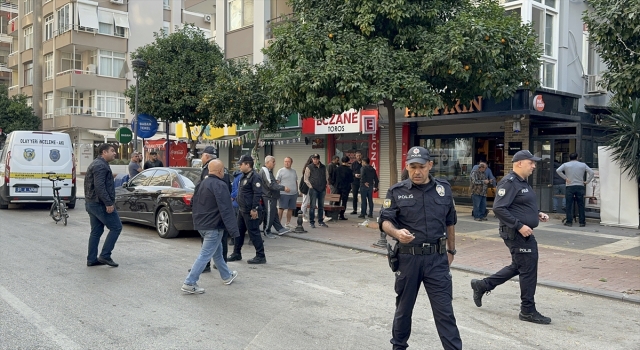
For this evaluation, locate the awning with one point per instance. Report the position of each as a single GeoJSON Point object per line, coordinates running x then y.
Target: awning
{"type": "Point", "coordinates": [88, 16]}
{"type": "Point", "coordinates": [105, 16]}
{"type": "Point", "coordinates": [162, 136]}
{"type": "Point", "coordinates": [122, 19]}
{"type": "Point", "coordinates": [107, 134]}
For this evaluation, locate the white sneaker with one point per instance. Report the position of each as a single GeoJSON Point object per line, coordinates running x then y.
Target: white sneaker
{"type": "Point", "coordinates": [229, 280]}
{"type": "Point", "coordinates": [283, 231]}
{"type": "Point", "coordinates": [288, 225]}
{"type": "Point", "coordinates": [327, 218]}
{"type": "Point", "coordinates": [304, 219]}
{"type": "Point", "coordinates": [192, 289]}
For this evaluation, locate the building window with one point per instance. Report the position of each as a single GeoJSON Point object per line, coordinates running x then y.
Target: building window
{"type": "Point", "coordinates": [166, 27]}
{"type": "Point", "coordinates": [111, 64]}
{"type": "Point", "coordinates": [240, 13]}
{"type": "Point", "coordinates": [590, 59]}
{"type": "Point", "coordinates": [111, 23]}
{"type": "Point", "coordinates": [67, 61]}
{"type": "Point", "coordinates": [246, 58]}
{"type": "Point", "coordinates": [48, 105]}
{"type": "Point", "coordinates": [29, 101]}
{"type": "Point", "coordinates": [28, 38]}
{"type": "Point", "coordinates": [28, 6]}
{"type": "Point", "coordinates": [48, 28]}
{"type": "Point", "coordinates": [550, 3]}
{"type": "Point", "coordinates": [108, 103]}
{"type": "Point", "coordinates": [28, 74]}
{"type": "Point", "coordinates": [64, 19]}
{"type": "Point", "coordinates": [165, 4]}
{"type": "Point", "coordinates": [48, 66]}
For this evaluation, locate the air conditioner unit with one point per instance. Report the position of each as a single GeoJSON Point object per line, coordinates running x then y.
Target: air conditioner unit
{"type": "Point", "coordinates": [593, 84]}
{"type": "Point", "coordinates": [268, 42]}
{"type": "Point", "coordinates": [207, 18]}
{"type": "Point", "coordinates": [92, 68]}
{"type": "Point", "coordinates": [119, 2]}
{"type": "Point", "coordinates": [116, 123]}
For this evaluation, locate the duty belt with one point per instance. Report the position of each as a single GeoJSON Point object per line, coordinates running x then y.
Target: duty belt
{"type": "Point", "coordinates": [507, 229]}
{"type": "Point", "coordinates": [424, 249]}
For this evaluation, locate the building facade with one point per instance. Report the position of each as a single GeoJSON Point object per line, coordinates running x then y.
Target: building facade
{"type": "Point", "coordinates": [71, 58]}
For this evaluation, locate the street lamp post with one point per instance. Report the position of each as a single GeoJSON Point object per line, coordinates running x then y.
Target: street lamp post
{"type": "Point", "coordinates": [137, 64]}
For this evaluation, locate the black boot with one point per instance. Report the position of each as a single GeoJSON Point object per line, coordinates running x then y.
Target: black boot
{"type": "Point", "coordinates": [479, 288]}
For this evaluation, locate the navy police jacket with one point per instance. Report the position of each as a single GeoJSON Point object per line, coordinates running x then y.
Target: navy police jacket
{"type": "Point", "coordinates": [515, 204]}
{"type": "Point", "coordinates": [250, 192]}
{"type": "Point", "coordinates": [212, 208]}
{"type": "Point", "coordinates": [425, 210]}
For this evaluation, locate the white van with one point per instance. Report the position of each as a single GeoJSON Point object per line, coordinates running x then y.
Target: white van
{"type": "Point", "coordinates": [26, 158]}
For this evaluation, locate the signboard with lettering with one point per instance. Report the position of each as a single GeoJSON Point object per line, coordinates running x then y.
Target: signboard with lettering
{"type": "Point", "coordinates": [514, 147]}
{"type": "Point", "coordinates": [369, 121]}
{"type": "Point", "coordinates": [474, 105]}
{"type": "Point", "coordinates": [374, 154]}
{"type": "Point", "coordinates": [124, 135]}
{"type": "Point", "coordinates": [347, 122]}
{"type": "Point", "coordinates": [147, 126]}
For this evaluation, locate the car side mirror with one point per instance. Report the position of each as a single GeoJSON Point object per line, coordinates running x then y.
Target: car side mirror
{"type": "Point", "coordinates": [125, 185]}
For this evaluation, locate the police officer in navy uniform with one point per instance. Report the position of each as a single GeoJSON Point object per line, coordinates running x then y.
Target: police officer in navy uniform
{"type": "Point", "coordinates": [249, 196]}
{"type": "Point", "coordinates": [420, 214]}
{"type": "Point", "coordinates": [516, 207]}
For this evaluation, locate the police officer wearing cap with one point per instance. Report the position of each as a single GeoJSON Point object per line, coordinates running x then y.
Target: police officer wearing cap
{"type": "Point", "coordinates": [249, 196]}
{"type": "Point", "coordinates": [516, 207]}
{"type": "Point", "coordinates": [419, 213]}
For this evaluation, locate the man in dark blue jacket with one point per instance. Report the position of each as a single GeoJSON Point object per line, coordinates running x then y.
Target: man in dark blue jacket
{"type": "Point", "coordinates": [100, 195]}
{"type": "Point", "coordinates": [249, 196]}
{"type": "Point", "coordinates": [212, 214]}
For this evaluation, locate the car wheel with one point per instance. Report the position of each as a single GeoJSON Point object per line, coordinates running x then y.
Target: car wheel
{"type": "Point", "coordinates": [164, 224]}
{"type": "Point", "coordinates": [71, 205]}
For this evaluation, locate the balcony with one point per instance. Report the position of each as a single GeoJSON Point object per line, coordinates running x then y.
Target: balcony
{"type": "Point", "coordinates": [14, 90]}
{"type": "Point", "coordinates": [12, 27]}
{"type": "Point", "coordinates": [84, 80]}
{"type": "Point", "coordinates": [12, 60]}
{"type": "Point", "coordinates": [87, 39]}
{"type": "Point", "coordinates": [274, 22]}
{"type": "Point", "coordinates": [72, 117]}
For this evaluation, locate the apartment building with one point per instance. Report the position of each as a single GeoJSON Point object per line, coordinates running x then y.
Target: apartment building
{"type": "Point", "coordinates": [559, 118]}
{"type": "Point", "coordinates": [72, 59]}
{"type": "Point", "coordinates": [8, 11]}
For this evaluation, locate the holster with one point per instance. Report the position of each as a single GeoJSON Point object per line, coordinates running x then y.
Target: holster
{"type": "Point", "coordinates": [392, 256]}
{"type": "Point", "coordinates": [507, 233]}
{"type": "Point", "coordinates": [442, 242]}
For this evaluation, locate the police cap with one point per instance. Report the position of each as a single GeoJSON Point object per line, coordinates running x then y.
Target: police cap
{"type": "Point", "coordinates": [418, 155]}
{"type": "Point", "coordinates": [245, 158]}
{"type": "Point", "coordinates": [524, 155]}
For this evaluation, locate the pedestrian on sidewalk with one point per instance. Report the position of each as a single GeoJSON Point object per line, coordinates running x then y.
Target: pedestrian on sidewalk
{"type": "Point", "coordinates": [343, 178]}
{"type": "Point", "coordinates": [212, 214]}
{"type": "Point", "coordinates": [356, 166]}
{"type": "Point", "coordinates": [516, 206]}
{"type": "Point", "coordinates": [573, 173]}
{"type": "Point", "coordinates": [153, 161]}
{"type": "Point", "coordinates": [134, 165]}
{"type": "Point", "coordinates": [420, 214]}
{"type": "Point", "coordinates": [100, 196]}
{"type": "Point", "coordinates": [368, 185]}
{"type": "Point", "coordinates": [304, 189]}
{"type": "Point", "coordinates": [331, 168]}
{"type": "Point", "coordinates": [479, 184]}
{"type": "Point", "coordinates": [249, 196]}
{"type": "Point", "coordinates": [270, 195]}
{"type": "Point", "coordinates": [316, 178]}
{"type": "Point", "coordinates": [288, 200]}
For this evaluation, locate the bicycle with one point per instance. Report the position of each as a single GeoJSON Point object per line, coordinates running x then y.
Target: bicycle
{"type": "Point", "coordinates": [58, 211]}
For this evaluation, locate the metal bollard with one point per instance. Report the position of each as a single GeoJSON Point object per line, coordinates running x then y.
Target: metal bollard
{"type": "Point", "coordinates": [382, 241]}
{"type": "Point", "coordinates": [299, 228]}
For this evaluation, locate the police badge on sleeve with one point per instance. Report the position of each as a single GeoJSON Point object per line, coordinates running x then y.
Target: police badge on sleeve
{"type": "Point", "coordinates": [440, 190]}
{"type": "Point", "coordinates": [501, 192]}
{"type": "Point", "coordinates": [386, 203]}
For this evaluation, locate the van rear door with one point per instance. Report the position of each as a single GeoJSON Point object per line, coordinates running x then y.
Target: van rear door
{"type": "Point", "coordinates": [26, 165]}
{"type": "Point", "coordinates": [57, 158]}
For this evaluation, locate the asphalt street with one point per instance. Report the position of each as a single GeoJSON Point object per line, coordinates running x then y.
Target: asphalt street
{"type": "Point", "coordinates": [308, 296]}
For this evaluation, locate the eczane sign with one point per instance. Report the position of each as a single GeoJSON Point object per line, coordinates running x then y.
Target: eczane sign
{"type": "Point", "coordinates": [347, 122]}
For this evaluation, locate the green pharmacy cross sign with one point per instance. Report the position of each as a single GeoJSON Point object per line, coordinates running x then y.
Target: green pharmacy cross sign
{"type": "Point", "coordinates": [124, 135]}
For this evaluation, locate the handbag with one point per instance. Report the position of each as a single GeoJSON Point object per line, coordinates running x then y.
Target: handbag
{"type": "Point", "coordinates": [304, 189]}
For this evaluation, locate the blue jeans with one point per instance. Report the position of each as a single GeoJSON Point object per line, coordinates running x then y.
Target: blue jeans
{"type": "Point", "coordinates": [479, 206]}
{"type": "Point", "coordinates": [99, 218]}
{"type": "Point", "coordinates": [211, 247]}
{"type": "Point", "coordinates": [316, 197]}
{"type": "Point", "coordinates": [559, 190]}
{"type": "Point", "coordinates": [367, 198]}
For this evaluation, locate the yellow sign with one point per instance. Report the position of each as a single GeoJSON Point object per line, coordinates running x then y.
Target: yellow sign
{"type": "Point", "coordinates": [210, 133]}
{"type": "Point", "coordinates": [37, 176]}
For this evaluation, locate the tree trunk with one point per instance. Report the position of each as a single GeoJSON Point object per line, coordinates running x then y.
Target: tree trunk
{"type": "Point", "coordinates": [255, 154]}
{"type": "Point", "coordinates": [393, 163]}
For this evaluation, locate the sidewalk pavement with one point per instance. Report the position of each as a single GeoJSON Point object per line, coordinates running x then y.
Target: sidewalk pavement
{"type": "Point", "coordinates": [598, 260]}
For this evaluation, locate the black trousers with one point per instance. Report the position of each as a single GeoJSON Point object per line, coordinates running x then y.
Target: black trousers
{"type": "Point", "coordinates": [355, 189]}
{"type": "Point", "coordinates": [344, 198]}
{"type": "Point", "coordinates": [578, 193]}
{"type": "Point", "coordinates": [524, 264]}
{"type": "Point", "coordinates": [432, 271]}
{"type": "Point", "coordinates": [271, 214]}
{"type": "Point", "coordinates": [245, 223]}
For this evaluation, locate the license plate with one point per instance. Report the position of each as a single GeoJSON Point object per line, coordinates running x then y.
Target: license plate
{"type": "Point", "coordinates": [26, 190]}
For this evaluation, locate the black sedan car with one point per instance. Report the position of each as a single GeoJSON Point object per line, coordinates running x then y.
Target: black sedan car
{"type": "Point", "coordinates": [159, 197]}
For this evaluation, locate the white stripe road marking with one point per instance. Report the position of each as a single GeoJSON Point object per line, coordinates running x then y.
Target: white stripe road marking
{"type": "Point", "coordinates": [35, 319]}
{"type": "Point", "coordinates": [323, 288]}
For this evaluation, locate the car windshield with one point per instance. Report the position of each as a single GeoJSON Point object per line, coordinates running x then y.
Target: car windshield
{"type": "Point", "coordinates": [190, 176]}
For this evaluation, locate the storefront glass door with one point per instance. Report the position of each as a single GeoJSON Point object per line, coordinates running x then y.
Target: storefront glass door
{"type": "Point", "coordinates": [553, 152]}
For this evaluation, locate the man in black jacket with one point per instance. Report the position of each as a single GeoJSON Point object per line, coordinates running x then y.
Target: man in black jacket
{"type": "Point", "coordinates": [100, 195]}
{"type": "Point", "coordinates": [153, 162]}
{"type": "Point", "coordinates": [249, 210]}
{"type": "Point", "coordinates": [342, 178]}
{"type": "Point", "coordinates": [368, 185]}
{"type": "Point", "coordinates": [331, 168]}
{"type": "Point", "coordinates": [315, 177]}
{"type": "Point", "coordinates": [355, 186]}
{"type": "Point", "coordinates": [212, 213]}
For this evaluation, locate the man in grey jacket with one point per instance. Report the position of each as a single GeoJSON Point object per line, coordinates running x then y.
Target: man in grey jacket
{"type": "Point", "coordinates": [573, 173]}
{"type": "Point", "coordinates": [270, 195]}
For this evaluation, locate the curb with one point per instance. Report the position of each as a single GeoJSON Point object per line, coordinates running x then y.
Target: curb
{"type": "Point", "coordinates": [553, 284]}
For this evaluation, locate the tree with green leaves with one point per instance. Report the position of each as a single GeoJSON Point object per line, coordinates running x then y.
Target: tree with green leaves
{"type": "Point", "coordinates": [624, 141]}
{"type": "Point", "coordinates": [180, 69]}
{"type": "Point", "coordinates": [15, 114]}
{"type": "Point", "coordinates": [334, 55]}
{"type": "Point", "coordinates": [244, 94]}
{"type": "Point", "coordinates": [614, 27]}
